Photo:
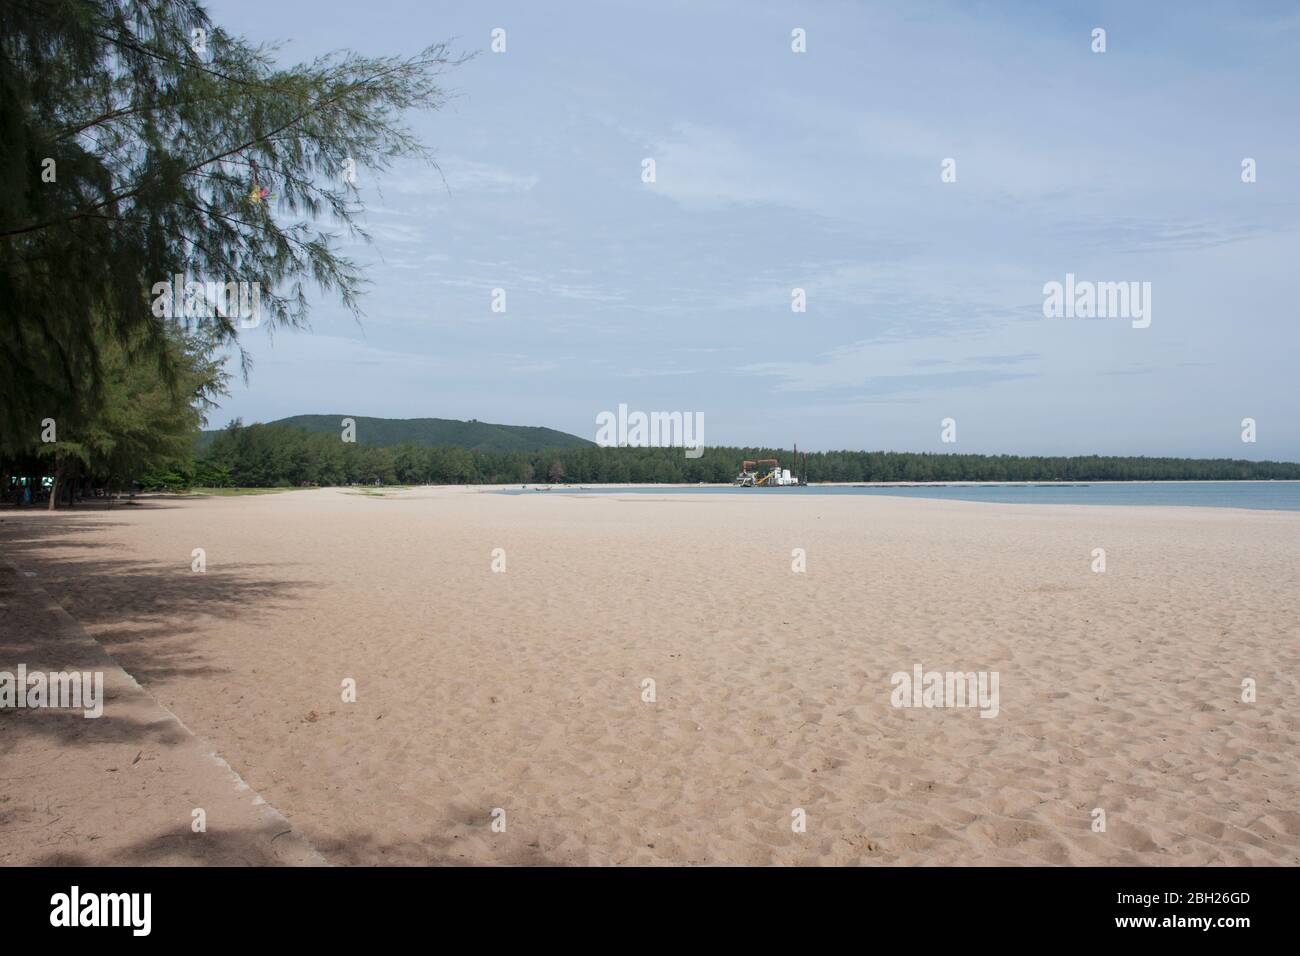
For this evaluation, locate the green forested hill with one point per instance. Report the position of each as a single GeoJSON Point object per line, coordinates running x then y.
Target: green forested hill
{"type": "Point", "coordinates": [443, 432]}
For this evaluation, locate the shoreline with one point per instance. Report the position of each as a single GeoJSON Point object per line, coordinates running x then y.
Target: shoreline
{"type": "Point", "coordinates": [895, 484]}
{"type": "Point", "coordinates": [1214, 496]}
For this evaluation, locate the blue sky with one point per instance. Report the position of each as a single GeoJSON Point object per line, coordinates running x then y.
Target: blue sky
{"type": "Point", "coordinates": [821, 170]}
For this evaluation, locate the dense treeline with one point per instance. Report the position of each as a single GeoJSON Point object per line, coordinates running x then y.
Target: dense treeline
{"type": "Point", "coordinates": [133, 420]}
{"type": "Point", "coordinates": [262, 456]}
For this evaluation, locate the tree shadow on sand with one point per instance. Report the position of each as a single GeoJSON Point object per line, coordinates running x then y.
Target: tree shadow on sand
{"type": "Point", "coordinates": [150, 617]}
{"type": "Point", "coordinates": [263, 846]}
{"type": "Point", "coordinates": [147, 615]}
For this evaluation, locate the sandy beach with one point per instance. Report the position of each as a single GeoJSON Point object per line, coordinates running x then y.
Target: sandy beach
{"type": "Point", "coordinates": [518, 695]}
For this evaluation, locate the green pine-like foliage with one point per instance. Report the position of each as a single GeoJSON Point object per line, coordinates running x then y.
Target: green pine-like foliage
{"type": "Point", "coordinates": [141, 143]}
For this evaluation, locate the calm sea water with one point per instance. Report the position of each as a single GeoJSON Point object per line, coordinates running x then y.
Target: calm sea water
{"type": "Point", "coordinates": [1272, 495]}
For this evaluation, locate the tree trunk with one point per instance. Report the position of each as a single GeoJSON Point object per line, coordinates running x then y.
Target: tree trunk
{"type": "Point", "coordinates": [59, 469]}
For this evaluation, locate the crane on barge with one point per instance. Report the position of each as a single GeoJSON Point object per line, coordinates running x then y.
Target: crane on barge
{"type": "Point", "coordinates": [753, 474]}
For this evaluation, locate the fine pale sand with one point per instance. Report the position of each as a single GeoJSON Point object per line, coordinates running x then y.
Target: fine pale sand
{"type": "Point", "coordinates": [523, 690]}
